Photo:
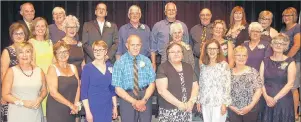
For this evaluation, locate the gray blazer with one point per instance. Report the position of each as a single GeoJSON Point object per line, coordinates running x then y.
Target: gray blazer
{"type": "Point", "coordinates": [91, 33]}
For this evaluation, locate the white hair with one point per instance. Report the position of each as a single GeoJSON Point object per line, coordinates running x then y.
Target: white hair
{"type": "Point", "coordinates": [170, 3]}
{"type": "Point", "coordinates": [255, 26]}
{"type": "Point", "coordinates": [71, 18]}
{"type": "Point", "coordinates": [134, 7]}
{"type": "Point", "coordinates": [58, 9]}
{"type": "Point", "coordinates": [175, 26]}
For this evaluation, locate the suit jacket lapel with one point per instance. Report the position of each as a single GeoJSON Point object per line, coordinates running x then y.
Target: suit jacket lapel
{"type": "Point", "coordinates": [96, 26]}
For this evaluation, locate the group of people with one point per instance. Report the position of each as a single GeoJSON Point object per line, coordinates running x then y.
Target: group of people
{"type": "Point", "coordinates": [247, 73]}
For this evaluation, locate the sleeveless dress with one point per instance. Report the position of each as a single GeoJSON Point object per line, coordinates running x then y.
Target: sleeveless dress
{"type": "Point", "coordinates": [25, 88]}
{"type": "Point", "coordinates": [275, 78]}
{"type": "Point", "coordinates": [13, 62]}
{"type": "Point", "coordinates": [76, 57]}
{"type": "Point", "coordinates": [67, 87]}
{"type": "Point", "coordinates": [44, 56]}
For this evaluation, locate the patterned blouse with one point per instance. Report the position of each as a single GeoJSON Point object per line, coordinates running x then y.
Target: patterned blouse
{"type": "Point", "coordinates": [243, 87]}
{"type": "Point", "coordinates": [215, 85]}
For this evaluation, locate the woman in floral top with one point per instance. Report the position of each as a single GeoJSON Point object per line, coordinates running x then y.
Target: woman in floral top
{"type": "Point", "coordinates": [246, 87]}
{"type": "Point", "coordinates": [257, 48]}
{"type": "Point", "coordinates": [214, 82]}
{"type": "Point", "coordinates": [219, 31]}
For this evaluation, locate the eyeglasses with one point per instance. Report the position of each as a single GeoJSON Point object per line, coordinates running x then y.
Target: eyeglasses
{"type": "Point", "coordinates": [71, 27]}
{"type": "Point", "coordinates": [212, 49]}
{"type": "Point", "coordinates": [175, 52]}
{"type": "Point", "coordinates": [279, 44]}
{"type": "Point", "coordinates": [205, 15]}
{"type": "Point", "coordinates": [19, 34]}
{"type": "Point", "coordinates": [171, 10]}
{"type": "Point", "coordinates": [63, 52]}
{"type": "Point", "coordinates": [287, 15]}
{"type": "Point", "coordinates": [99, 50]}
{"type": "Point", "coordinates": [265, 19]}
{"type": "Point", "coordinates": [61, 13]}
{"type": "Point", "coordinates": [240, 56]}
{"type": "Point", "coordinates": [102, 9]}
{"type": "Point", "coordinates": [255, 31]}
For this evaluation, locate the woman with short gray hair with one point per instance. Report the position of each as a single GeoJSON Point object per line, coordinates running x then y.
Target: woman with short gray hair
{"type": "Point", "coordinates": [257, 48]}
{"type": "Point", "coordinates": [176, 33]}
{"type": "Point", "coordinates": [56, 30]}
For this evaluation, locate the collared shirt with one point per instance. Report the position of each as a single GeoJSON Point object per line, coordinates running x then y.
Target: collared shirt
{"type": "Point", "coordinates": [123, 72]}
{"type": "Point", "coordinates": [160, 35]}
{"type": "Point", "coordinates": [196, 33]}
{"type": "Point", "coordinates": [142, 31]}
{"type": "Point", "coordinates": [100, 24]}
{"type": "Point", "coordinates": [28, 24]}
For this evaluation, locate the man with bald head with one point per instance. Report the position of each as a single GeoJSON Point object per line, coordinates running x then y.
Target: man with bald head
{"type": "Point", "coordinates": [28, 13]}
{"type": "Point", "coordinates": [134, 27]}
{"type": "Point", "coordinates": [100, 29]}
{"type": "Point", "coordinates": [160, 33]}
{"type": "Point", "coordinates": [199, 34]}
{"type": "Point", "coordinates": [133, 78]}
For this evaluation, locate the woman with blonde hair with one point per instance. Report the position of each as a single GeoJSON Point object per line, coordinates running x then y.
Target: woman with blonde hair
{"type": "Point", "coordinates": [292, 30]}
{"type": "Point", "coordinates": [265, 19]}
{"type": "Point", "coordinates": [42, 47]}
{"type": "Point", "coordinates": [24, 87]}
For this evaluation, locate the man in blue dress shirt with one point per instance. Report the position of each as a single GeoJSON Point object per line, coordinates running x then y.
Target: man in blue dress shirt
{"type": "Point", "coordinates": [134, 106]}
{"type": "Point", "coordinates": [160, 33]}
{"type": "Point", "coordinates": [134, 27]}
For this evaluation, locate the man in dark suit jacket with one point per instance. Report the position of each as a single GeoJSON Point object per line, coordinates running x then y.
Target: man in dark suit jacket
{"type": "Point", "coordinates": [100, 29]}
{"type": "Point", "coordinates": [28, 13]}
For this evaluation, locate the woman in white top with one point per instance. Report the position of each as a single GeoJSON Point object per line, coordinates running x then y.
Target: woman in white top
{"type": "Point", "coordinates": [214, 82]}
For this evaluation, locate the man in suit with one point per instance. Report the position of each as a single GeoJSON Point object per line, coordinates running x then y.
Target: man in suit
{"type": "Point", "coordinates": [28, 13]}
{"type": "Point", "coordinates": [100, 29]}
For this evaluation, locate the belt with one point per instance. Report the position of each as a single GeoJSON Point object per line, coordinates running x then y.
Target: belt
{"type": "Point", "coordinates": [140, 89]}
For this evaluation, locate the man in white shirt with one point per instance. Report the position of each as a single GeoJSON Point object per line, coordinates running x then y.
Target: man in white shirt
{"type": "Point", "coordinates": [100, 29]}
{"type": "Point", "coordinates": [28, 13]}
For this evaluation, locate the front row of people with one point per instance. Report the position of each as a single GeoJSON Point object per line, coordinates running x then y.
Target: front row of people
{"type": "Point", "coordinates": [220, 91]}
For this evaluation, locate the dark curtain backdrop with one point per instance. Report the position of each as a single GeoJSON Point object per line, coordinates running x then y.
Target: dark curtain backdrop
{"type": "Point", "coordinates": [152, 11]}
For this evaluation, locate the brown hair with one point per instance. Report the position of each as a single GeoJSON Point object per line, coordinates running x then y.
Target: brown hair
{"type": "Point", "coordinates": [60, 44]}
{"type": "Point", "coordinates": [34, 23]}
{"type": "Point", "coordinates": [238, 9]}
{"type": "Point", "coordinates": [14, 27]}
{"type": "Point", "coordinates": [291, 10]}
{"type": "Point", "coordinates": [205, 57]}
{"type": "Point", "coordinates": [100, 43]}
{"type": "Point", "coordinates": [171, 46]}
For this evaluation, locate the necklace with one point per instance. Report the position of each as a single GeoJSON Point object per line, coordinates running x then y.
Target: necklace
{"type": "Point", "coordinates": [25, 73]}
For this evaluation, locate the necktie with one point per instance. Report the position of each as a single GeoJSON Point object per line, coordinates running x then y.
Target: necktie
{"type": "Point", "coordinates": [136, 85]}
{"type": "Point", "coordinates": [30, 26]}
{"type": "Point", "coordinates": [204, 34]}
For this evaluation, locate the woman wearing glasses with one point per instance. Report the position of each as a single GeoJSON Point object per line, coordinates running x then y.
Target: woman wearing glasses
{"type": "Point", "coordinates": [64, 87]}
{"type": "Point", "coordinates": [246, 86]}
{"type": "Point", "coordinates": [214, 82]}
{"type": "Point", "coordinates": [292, 30]}
{"type": "Point", "coordinates": [18, 34]}
{"type": "Point", "coordinates": [265, 19]}
{"type": "Point", "coordinates": [279, 73]}
{"type": "Point", "coordinates": [257, 48]}
{"type": "Point", "coordinates": [97, 93]}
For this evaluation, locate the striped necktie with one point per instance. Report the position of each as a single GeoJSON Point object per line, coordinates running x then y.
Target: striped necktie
{"type": "Point", "coordinates": [136, 85]}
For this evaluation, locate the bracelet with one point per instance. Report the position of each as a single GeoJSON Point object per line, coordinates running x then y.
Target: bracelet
{"type": "Point", "coordinates": [19, 103]}
{"type": "Point", "coordinates": [79, 105]}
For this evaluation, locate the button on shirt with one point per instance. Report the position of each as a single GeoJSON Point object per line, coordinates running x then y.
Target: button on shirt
{"type": "Point", "coordinates": [160, 35]}
{"type": "Point", "coordinates": [142, 31]}
{"type": "Point", "coordinates": [123, 72]}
